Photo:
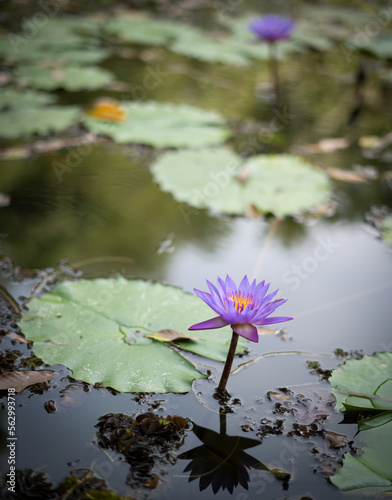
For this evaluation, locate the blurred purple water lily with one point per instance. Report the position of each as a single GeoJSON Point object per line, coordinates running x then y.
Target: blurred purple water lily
{"type": "Point", "coordinates": [272, 28]}
{"type": "Point", "coordinates": [242, 308]}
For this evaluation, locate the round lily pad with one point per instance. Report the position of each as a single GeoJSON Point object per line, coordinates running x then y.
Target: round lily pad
{"type": "Point", "coordinates": [21, 122]}
{"type": "Point", "coordinates": [145, 31]}
{"type": "Point", "coordinates": [163, 125]}
{"type": "Point", "coordinates": [364, 384]}
{"type": "Point", "coordinates": [369, 473]}
{"type": "Point", "coordinates": [70, 78]}
{"type": "Point", "coordinates": [205, 48]}
{"type": "Point", "coordinates": [59, 40]}
{"type": "Point", "coordinates": [98, 328]}
{"type": "Point", "coordinates": [380, 46]}
{"type": "Point", "coordinates": [221, 181]}
{"type": "Point", "coordinates": [15, 98]}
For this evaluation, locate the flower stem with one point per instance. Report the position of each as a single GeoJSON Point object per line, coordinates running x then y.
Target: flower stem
{"type": "Point", "coordinates": [229, 362]}
{"type": "Point", "coordinates": [273, 59]}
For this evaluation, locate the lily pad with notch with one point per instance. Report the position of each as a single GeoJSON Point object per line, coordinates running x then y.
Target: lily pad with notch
{"type": "Point", "coordinates": [143, 30]}
{"type": "Point", "coordinates": [11, 98]}
{"type": "Point", "coordinates": [71, 77]}
{"type": "Point", "coordinates": [369, 474]}
{"type": "Point", "coordinates": [364, 384]}
{"type": "Point", "coordinates": [97, 328]}
{"type": "Point", "coordinates": [21, 122]}
{"type": "Point", "coordinates": [220, 180]}
{"type": "Point", "coordinates": [163, 125]}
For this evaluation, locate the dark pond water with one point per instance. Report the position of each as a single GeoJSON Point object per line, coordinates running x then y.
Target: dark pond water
{"type": "Point", "coordinates": [108, 217]}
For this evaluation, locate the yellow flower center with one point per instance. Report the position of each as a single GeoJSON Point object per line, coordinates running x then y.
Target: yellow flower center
{"type": "Point", "coordinates": [240, 301]}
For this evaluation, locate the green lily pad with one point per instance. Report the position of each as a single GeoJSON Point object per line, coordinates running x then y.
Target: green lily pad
{"type": "Point", "coordinates": [386, 230]}
{"type": "Point", "coordinates": [380, 46]}
{"type": "Point", "coordinates": [15, 98]}
{"type": "Point", "coordinates": [60, 40]}
{"type": "Point", "coordinates": [237, 48]}
{"type": "Point", "coordinates": [163, 125]}
{"type": "Point", "coordinates": [311, 39]}
{"type": "Point", "coordinates": [201, 46]}
{"type": "Point", "coordinates": [364, 384]}
{"type": "Point", "coordinates": [70, 78]}
{"type": "Point", "coordinates": [44, 51]}
{"type": "Point", "coordinates": [21, 122]}
{"type": "Point", "coordinates": [17, 47]}
{"type": "Point", "coordinates": [221, 181]}
{"type": "Point", "coordinates": [369, 473]}
{"type": "Point", "coordinates": [97, 329]}
{"type": "Point", "coordinates": [332, 21]}
{"type": "Point", "coordinates": [78, 56]}
{"type": "Point", "coordinates": [145, 31]}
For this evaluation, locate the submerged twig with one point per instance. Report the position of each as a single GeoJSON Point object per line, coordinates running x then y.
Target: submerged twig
{"type": "Point", "coordinates": [280, 353]}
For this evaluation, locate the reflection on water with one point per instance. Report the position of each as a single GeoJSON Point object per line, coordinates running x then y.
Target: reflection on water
{"type": "Point", "coordinates": [221, 461]}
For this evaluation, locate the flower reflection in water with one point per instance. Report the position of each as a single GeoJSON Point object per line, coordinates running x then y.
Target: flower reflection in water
{"type": "Point", "coordinates": [220, 461]}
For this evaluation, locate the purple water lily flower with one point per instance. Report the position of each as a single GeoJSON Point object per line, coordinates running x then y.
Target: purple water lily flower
{"type": "Point", "coordinates": [242, 308]}
{"type": "Point", "coordinates": [272, 28]}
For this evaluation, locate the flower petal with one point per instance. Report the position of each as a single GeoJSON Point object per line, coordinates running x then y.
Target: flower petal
{"type": "Point", "coordinates": [247, 331]}
{"type": "Point", "coordinates": [271, 321]}
{"type": "Point", "coordinates": [230, 284]}
{"type": "Point", "coordinates": [205, 296]}
{"type": "Point", "coordinates": [267, 299]}
{"type": "Point", "coordinates": [215, 293]}
{"type": "Point", "coordinates": [267, 309]}
{"type": "Point", "coordinates": [244, 285]}
{"type": "Point", "coordinates": [261, 289]}
{"type": "Point", "coordinates": [253, 301]}
{"type": "Point", "coordinates": [209, 324]}
{"type": "Point", "coordinates": [221, 288]}
{"type": "Point", "coordinates": [252, 288]}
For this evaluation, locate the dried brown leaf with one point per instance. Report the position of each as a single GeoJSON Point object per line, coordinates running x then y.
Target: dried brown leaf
{"type": "Point", "coordinates": [20, 380]}
{"type": "Point", "coordinates": [369, 141]}
{"type": "Point", "coordinates": [251, 211]}
{"type": "Point", "coordinates": [326, 145]}
{"type": "Point", "coordinates": [170, 335]}
{"type": "Point", "coordinates": [278, 396]}
{"type": "Point", "coordinates": [346, 176]}
{"type": "Point", "coordinates": [266, 331]}
{"type": "Point", "coordinates": [19, 338]}
{"type": "Point", "coordinates": [336, 440]}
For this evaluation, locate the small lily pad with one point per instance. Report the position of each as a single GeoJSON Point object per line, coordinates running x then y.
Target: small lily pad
{"type": "Point", "coordinates": [369, 473]}
{"type": "Point", "coordinates": [21, 122]}
{"type": "Point", "coordinates": [205, 48]}
{"type": "Point", "coordinates": [221, 181]}
{"type": "Point", "coordinates": [364, 384]}
{"type": "Point", "coordinates": [63, 39]}
{"type": "Point", "coordinates": [163, 125]}
{"type": "Point", "coordinates": [380, 46]}
{"type": "Point", "coordinates": [15, 98]}
{"type": "Point", "coordinates": [70, 78]}
{"type": "Point", "coordinates": [46, 52]}
{"type": "Point", "coordinates": [386, 230]}
{"type": "Point", "coordinates": [138, 29]}
{"type": "Point", "coordinates": [98, 329]}
{"type": "Point", "coordinates": [311, 39]}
